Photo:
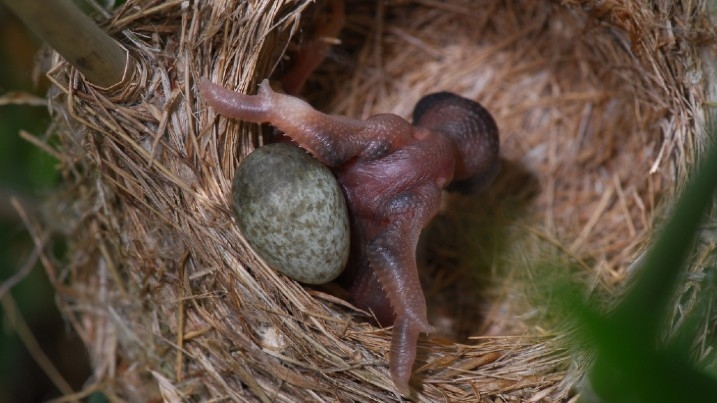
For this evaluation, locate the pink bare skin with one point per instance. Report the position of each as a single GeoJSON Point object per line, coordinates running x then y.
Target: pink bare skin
{"type": "Point", "coordinates": [311, 54]}
{"type": "Point", "coordinates": [392, 173]}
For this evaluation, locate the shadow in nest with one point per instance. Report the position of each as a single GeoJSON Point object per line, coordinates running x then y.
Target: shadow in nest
{"type": "Point", "coordinates": [458, 251]}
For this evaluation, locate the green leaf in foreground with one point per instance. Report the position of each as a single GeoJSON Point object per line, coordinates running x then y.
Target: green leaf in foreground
{"type": "Point", "coordinates": [632, 364]}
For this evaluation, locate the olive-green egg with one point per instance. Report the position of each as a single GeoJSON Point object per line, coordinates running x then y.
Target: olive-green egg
{"type": "Point", "coordinates": [293, 213]}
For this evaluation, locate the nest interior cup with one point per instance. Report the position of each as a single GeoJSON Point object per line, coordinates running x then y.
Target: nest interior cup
{"type": "Point", "coordinates": [600, 108]}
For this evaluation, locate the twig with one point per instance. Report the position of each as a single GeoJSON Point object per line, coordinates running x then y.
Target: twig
{"type": "Point", "coordinates": [14, 317]}
{"type": "Point", "coordinates": [33, 347]}
{"type": "Point", "coordinates": [11, 282]}
{"type": "Point", "coordinates": [103, 61]}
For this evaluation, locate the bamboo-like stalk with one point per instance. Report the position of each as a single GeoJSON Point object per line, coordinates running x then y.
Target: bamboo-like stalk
{"type": "Point", "coordinates": [77, 38]}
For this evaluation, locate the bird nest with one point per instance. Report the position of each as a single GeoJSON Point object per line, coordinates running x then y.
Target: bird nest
{"type": "Point", "coordinates": [600, 109]}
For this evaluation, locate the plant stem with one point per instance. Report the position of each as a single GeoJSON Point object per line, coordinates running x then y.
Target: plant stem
{"type": "Point", "coordinates": [76, 38]}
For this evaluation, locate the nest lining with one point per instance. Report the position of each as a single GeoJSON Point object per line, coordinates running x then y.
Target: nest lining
{"type": "Point", "coordinates": [598, 128]}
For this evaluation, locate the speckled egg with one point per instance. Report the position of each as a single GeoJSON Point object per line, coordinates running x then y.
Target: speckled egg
{"type": "Point", "coordinates": [292, 211]}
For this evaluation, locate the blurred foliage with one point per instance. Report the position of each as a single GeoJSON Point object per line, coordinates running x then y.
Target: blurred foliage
{"type": "Point", "coordinates": [634, 360]}
{"type": "Point", "coordinates": [27, 174]}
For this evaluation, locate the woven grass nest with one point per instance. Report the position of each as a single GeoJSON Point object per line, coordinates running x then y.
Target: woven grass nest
{"type": "Point", "coordinates": [600, 105]}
